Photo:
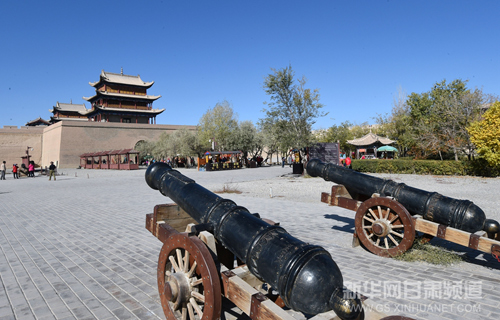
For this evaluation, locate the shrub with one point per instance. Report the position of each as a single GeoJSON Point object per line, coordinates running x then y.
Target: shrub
{"type": "Point", "coordinates": [434, 167]}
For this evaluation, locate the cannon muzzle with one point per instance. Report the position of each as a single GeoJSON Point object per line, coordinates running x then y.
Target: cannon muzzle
{"type": "Point", "coordinates": [432, 206]}
{"type": "Point", "coordinates": [306, 277]}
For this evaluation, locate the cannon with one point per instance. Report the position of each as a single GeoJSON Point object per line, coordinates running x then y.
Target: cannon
{"type": "Point", "coordinates": [388, 213]}
{"type": "Point", "coordinates": [305, 276]}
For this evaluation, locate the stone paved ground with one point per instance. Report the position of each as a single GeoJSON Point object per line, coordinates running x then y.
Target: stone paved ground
{"type": "Point", "coordinates": [77, 248]}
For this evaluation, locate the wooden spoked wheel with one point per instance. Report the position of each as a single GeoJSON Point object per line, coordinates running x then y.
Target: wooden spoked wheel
{"type": "Point", "coordinates": [384, 227]}
{"type": "Point", "coordinates": [188, 281]}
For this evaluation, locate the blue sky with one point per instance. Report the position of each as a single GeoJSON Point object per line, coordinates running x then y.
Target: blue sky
{"type": "Point", "coordinates": [357, 53]}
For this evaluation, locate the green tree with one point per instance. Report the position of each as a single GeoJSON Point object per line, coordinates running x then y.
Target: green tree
{"type": "Point", "coordinates": [145, 148]}
{"type": "Point", "coordinates": [161, 148]}
{"type": "Point", "coordinates": [440, 116]}
{"type": "Point", "coordinates": [245, 138]}
{"type": "Point", "coordinates": [292, 110]}
{"type": "Point", "coordinates": [485, 134]}
{"type": "Point", "coordinates": [340, 134]}
{"type": "Point", "coordinates": [360, 130]}
{"type": "Point", "coordinates": [270, 135]}
{"type": "Point", "coordinates": [218, 124]}
{"type": "Point", "coordinates": [184, 142]}
{"type": "Point", "coordinates": [401, 124]}
{"type": "Point", "coordinates": [460, 111]}
{"type": "Point", "coordinates": [196, 146]}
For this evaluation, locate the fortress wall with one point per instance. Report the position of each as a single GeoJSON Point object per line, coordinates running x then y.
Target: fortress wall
{"type": "Point", "coordinates": [51, 146]}
{"type": "Point", "coordinates": [14, 142]}
{"type": "Point", "coordinates": [75, 138]}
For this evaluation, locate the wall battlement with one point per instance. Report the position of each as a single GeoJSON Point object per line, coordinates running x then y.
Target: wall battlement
{"type": "Point", "coordinates": [24, 128]}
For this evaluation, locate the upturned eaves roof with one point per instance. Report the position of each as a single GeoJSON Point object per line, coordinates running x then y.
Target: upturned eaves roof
{"type": "Point", "coordinates": [69, 107]}
{"type": "Point", "coordinates": [369, 139]}
{"type": "Point", "coordinates": [121, 79]}
{"type": "Point", "coordinates": [121, 95]}
{"type": "Point", "coordinates": [39, 119]}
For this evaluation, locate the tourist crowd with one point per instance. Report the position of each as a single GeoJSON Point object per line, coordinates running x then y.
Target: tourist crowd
{"type": "Point", "coordinates": [28, 171]}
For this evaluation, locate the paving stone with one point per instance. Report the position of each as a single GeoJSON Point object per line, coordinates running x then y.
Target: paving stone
{"type": "Point", "coordinates": [42, 311]}
{"type": "Point", "coordinates": [88, 258]}
{"type": "Point", "coordinates": [123, 313]}
{"type": "Point", "coordinates": [82, 312]}
{"type": "Point", "coordinates": [6, 311]}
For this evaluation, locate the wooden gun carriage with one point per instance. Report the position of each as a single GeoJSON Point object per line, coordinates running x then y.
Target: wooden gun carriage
{"type": "Point", "coordinates": [198, 256]}
{"type": "Point", "coordinates": [196, 267]}
{"type": "Point", "coordinates": [383, 222]}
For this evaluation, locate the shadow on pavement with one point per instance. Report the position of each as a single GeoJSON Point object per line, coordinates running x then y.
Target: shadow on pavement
{"type": "Point", "coordinates": [349, 227]}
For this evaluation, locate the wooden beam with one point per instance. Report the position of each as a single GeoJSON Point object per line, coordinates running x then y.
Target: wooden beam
{"type": "Point", "coordinates": [476, 240]}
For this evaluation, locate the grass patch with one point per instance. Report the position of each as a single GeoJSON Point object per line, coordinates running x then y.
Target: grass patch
{"type": "Point", "coordinates": [426, 252]}
{"type": "Point", "coordinates": [228, 189]}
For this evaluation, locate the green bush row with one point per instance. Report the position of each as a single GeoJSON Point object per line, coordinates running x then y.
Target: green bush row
{"type": "Point", "coordinates": [477, 167]}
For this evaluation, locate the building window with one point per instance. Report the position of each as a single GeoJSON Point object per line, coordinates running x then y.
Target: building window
{"type": "Point", "coordinates": [126, 120]}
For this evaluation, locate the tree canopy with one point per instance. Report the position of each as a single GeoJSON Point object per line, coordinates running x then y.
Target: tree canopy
{"type": "Point", "coordinates": [485, 134]}
{"type": "Point", "coordinates": [218, 125]}
{"type": "Point", "coordinates": [246, 138]}
{"type": "Point", "coordinates": [292, 109]}
{"type": "Point", "coordinates": [439, 117]}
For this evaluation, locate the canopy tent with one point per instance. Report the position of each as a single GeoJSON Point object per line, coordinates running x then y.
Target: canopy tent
{"type": "Point", "coordinates": [387, 149]}
{"type": "Point", "coordinates": [232, 160]}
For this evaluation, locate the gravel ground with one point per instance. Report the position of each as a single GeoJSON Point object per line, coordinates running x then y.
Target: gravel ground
{"type": "Point", "coordinates": [280, 183]}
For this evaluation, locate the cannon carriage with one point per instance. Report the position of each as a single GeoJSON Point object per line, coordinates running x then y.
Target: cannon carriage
{"type": "Point", "coordinates": [388, 214]}
{"type": "Point", "coordinates": [226, 251]}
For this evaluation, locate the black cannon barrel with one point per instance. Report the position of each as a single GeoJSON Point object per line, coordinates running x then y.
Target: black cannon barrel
{"type": "Point", "coordinates": [459, 214]}
{"type": "Point", "coordinates": [306, 277]}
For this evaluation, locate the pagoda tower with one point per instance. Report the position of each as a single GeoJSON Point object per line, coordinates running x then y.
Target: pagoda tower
{"type": "Point", "coordinates": [122, 98]}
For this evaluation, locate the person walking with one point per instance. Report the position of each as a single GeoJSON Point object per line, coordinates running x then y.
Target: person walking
{"type": "Point", "coordinates": [31, 169]}
{"type": "Point", "coordinates": [348, 162]}
{"type": "Point", "coordinates": [2, 171]}
{"type": "Point", "coordinates": [14, 171]}
{"type": "Point", "coordinates": [52, 169]}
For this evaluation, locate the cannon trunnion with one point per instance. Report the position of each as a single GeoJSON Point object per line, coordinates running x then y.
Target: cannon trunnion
{"type": "Point", "coordinates": [305, 276]}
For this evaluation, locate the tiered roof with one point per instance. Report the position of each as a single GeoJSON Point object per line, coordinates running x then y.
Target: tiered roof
{"type": "Point", "coordinates": [121, 78]}
{"type": "Point", "coordinates": [70, 107]}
